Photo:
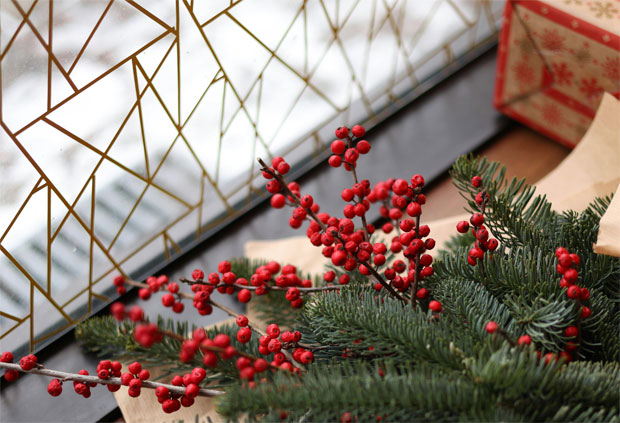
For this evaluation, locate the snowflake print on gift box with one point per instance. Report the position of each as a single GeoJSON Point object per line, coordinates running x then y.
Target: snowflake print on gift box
{"type": "Point", "coordinates": [524, 74]}
{"type": "Point", "coordinates": [562, 74]}
{"type": "Point", "coordinates": [552, 41]}
{"type": "Point", "coordinates": [611, 68]}
{"type": "Point", "coordinates": [591, 89]}
{"type": "Point", "coordinates": [601, 9]}
{"type": "Point", "coordinates": [551, 113]}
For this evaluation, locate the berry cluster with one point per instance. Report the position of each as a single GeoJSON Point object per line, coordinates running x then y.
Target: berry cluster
{"type": "Point", "coordinates": [483, 243]}
{"type": "Point", "coordinates": [346, 152]}
{"type": "Point", "coordinates": [270, 344]}
{"type": "Point", "coordinates": [351, 248]}
{"type": "Point", "coordinates": [133, 379]}
{"type": "Point", "coordinates": [567, 267]}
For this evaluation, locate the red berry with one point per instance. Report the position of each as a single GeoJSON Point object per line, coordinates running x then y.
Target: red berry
{"type": "Point", "coordinates": [221, 340]}
{"type": "Point", "coordinates": [342, 132]}
{"type": "Point", "coordinates": [192, 390]}
{"type": "Point", "coordinates": [198, 274]}
{"type": "Point", "coordinates": [560, 250]}
{"type": "Point", "coordinates": [242, 321]}
{"type": "Point", "coordinates": [11, 375]}
{"type": "Point", "coordinates": [136, 314]}
{"type": "Point", "coordinates": [26, 363]}
{"type": "Point", "coordinates": [435, 306]}
{"type": "Point", "coordinates": [476, 181]}
{"type": "Point", "coordinates": [306, 357]}
{"type": "Point", "coordinates": [491, 327]}
{"type": "Point", "coordinates": [273, 331]}
{"type": "Point", "coordinates": [274, 345]}
{"type": "Point", "coordinates": [119, 280]}
{"type": "Point", "coordinates": [414, 209]}
{"type": "Point", "coordinates": [585, 312]}
{"type": "Point", "coordinates": [118, 310]}
{"type": "Point", "coordinates": [209, 359]}
{"type": "Point", "coordinates": [351, 155]}
{"type": "Point", "coordinates": [260, 365]}
{"type": "Point", "coordinates": [400, 187]}
{"type": "Point", "coordinates": [334, 161]}
{"type": "Point", "coordinates": [571, 275]}
{"type": "Point", "coordinates": [584, 294]}
{"type": "Point", "coordinates": [572, 292]}
{"type": "Point", "coordinates": [126, 378]}
{"type": "Point", "coordinates": [525, 340]}
{"type": "Point", "coordinates": [244, 335]}
{"type": "Point", "coordinates": [55, 387]}
{"type": "Point", "coordinates": [6, 357]}
{"type": "Point", "coordinates": [338, 147]}
{"type": "Point", "coordinates": [178, 307]}
{"type": "Point", "coordinates": [422, 293]}
{"type": "Point", "coordinates": [358, 131]}
{"type": "Point", "coordinates": [283, 168]}
{"type": "Point", "coordinates": [477, 219]}
{"type": "Point", "coordinates": [135, 367]}
{"type": "Point", "coordinates": [571, 331]}
{"type": "Point", "coordinates": [167, 300]}
{"type": "Point", "coordinates": [462, 226]}
{"type": "Point", "coordinates": [278, 201]}
{"type": "Point", "coordinates": [244, 295]}
{"type": "Point", "coordinates": [565, 260]}
{"type": "Point", "coordinates": [363, 147]}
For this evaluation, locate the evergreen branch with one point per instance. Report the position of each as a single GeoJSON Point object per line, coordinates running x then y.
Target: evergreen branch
{"type": "Point", "coordinates": [368, 325]}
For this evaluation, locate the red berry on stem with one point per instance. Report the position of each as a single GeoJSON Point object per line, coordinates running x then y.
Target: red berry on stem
{"type": "Point", "coordinates": [477, 219]}
{"type": "Point", "coordinates": [278, 201]}
{"type": "Point", "coordinates": [244, 296]}
{"type": "Point", "coordinates": [525, 340]}
{"type": "Point", "coordinates": [435, 306]}
{"type": "Point", "coordinates": [462, 226]}
{"type": "Point", "coordinates": [244, 335]}
{"type": "Point", "coordinates": [338, 147]}
{"type": "Point", "coordinates": [585, 312]}
{"type": "Point", "coordinates": [476, 181]}
{"type": "Point", "coordinates": [342, 132]}
{"type": "Point", "coordinates": [358, 131]}
{"type": "Point", "coordinates": [491, 327]}
{"type": "Point", "coordinates": [571, 331]}
{"type": "Point", "coordinates": [335, 161]}
{"type": "Point", "coordinates": [572, 292]}
{"type": "Point", "coordinates": [167, 300]}
{"type": "Point", "coordinates": [363, 147]}
{"type": "Point", "coordinates": [242, 321]}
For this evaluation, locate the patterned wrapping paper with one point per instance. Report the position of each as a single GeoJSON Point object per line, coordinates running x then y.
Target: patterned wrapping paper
{"type": "Point", "coordinates": [555, 61]}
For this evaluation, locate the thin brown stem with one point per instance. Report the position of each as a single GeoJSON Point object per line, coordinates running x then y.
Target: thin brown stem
{"type": "Point", "coordinates": [414, 287]}
{"type": "Point", "coordinates": [111, 381]}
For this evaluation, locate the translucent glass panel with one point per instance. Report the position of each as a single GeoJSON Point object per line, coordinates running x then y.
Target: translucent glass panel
{"type": "Point", "coordinates": [131, 127]}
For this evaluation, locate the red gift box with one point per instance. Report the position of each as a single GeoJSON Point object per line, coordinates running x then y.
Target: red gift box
{"type": "Point", "coordinates": [555, 61]}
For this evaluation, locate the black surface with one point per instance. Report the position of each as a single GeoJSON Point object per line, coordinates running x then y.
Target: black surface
{"type": "Point", "coordinates": [425, 137]}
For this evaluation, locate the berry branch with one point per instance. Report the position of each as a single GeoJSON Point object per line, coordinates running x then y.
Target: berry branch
{"type": "Point", "coordinates": [64, 376]}
{"type": "Point", "coordinates": [270, 288]}
{"type": "Point", "coordinates": [295, 198]}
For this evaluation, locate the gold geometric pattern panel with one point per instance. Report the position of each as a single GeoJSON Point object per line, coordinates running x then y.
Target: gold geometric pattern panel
{"type": "Point", "coordinates": [129, 127]}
